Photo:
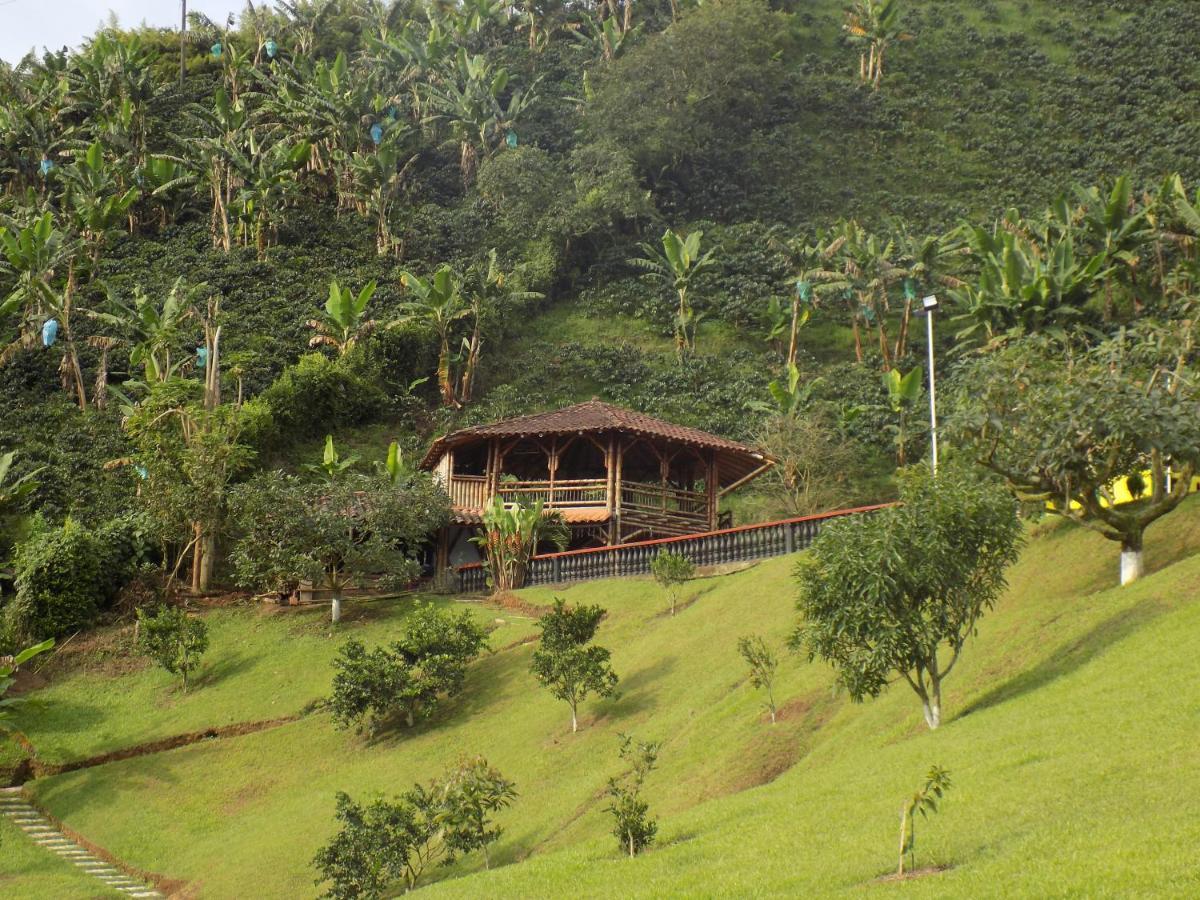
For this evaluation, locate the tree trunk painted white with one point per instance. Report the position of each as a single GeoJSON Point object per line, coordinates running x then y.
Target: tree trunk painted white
{"type": "Point", "coordinates": [1132, 562]}
{"type": "Point", "coordinates": [336, 615]}
{"type": "Point", "coordinates": [1132, 565]}
{"type": "Point", "coordinates": [574, 720]}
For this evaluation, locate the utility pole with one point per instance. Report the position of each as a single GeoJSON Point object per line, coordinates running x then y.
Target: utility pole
{"type": "Point", "coordinates": [182, 36]}
{"type": "Point", "coordinates": [930, 303]}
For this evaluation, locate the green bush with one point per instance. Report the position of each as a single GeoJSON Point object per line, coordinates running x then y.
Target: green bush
{"type": "Point", "coordinates": [61, 582]}
{"type": "Point", "coordinates": [319, 394]}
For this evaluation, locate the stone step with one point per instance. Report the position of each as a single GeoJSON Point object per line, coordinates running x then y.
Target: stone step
{"type": "Point", "coordinates": [42, 832]}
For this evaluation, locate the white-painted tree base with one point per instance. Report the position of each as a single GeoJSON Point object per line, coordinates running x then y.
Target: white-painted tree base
{"type": "Point", "coordinates": [1132, 566]}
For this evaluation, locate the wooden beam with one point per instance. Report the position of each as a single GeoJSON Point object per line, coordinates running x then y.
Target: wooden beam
{"type": "Point", "coordinates": [737, 484]}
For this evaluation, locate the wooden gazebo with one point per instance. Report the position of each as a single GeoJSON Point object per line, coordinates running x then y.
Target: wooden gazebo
{"type": "Point", "coordinates": [615, 475]}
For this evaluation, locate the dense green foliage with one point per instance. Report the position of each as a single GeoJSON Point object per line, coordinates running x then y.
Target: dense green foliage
{"type": "Point", "coordinates": [410, 676]}
{"type": "Point", "coordinates": [900, 591]}
{"type": "Point", "coordinates": [384, 843]}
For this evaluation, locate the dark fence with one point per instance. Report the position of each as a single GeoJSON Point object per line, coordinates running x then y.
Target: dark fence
{"type": "Point", "coordinates": [712, 548]}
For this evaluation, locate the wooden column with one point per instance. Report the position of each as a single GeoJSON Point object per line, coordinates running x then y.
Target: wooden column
{"type": "Point", "coordinates": [712, 487]}
{"type": "Point", "coordinates": [616, 492]}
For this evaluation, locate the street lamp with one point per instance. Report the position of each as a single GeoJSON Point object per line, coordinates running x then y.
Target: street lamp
{"type": "Point", "coordinates": [929, 304]}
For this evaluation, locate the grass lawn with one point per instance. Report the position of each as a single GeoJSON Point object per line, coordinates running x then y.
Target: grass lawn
{"type": "Point", "coordinates": [29, 872]}
{"type": "Point", "coordinates": [1072, 736]}
{"type": "Point", "coordinates": [264, 663]}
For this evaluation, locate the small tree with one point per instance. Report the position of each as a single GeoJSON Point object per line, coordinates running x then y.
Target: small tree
{"type": "Point", "coordinates": [762, 663]}
{"type": "Point", "coordinates": [386, 842]}
{"type": "Point", "coordinates": [380, 844]}
{"type": "Point", "coordinates": [671, 570]}
{"type": "Point", "coordinates": [924, 801]}
{"type": "Point", "coordinates": [408, 678]}
{"type": "Point", "coordinates": [633, 827]}
{"type": "Point", "coordinates": [173, 639]}
{"type": "Point", "coordinates": [1064, 434]}
{"type": "Point", "coordinates": [900, 591]}
{"type": "Point", "coordinates": [565, 663]}
{"type": "Point", "coordinates": [472, 793]}
{"type": "Point", "coordinates": [510, 536]}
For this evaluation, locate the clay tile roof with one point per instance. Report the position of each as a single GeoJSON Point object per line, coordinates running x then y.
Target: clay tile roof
{"type": "Point", "coordinates": [591, 416]}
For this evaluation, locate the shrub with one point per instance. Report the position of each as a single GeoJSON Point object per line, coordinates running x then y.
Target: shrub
{"type": "Point", "coordinates": [173, 639]}
{"type": "Point", "coordinates": [386, 842]}
{"type": "Point", "coordinates": [60, 582]}
{"type": "Point", "coordinates": [318, 394]}
{"type": "Point", "coordinates": [409, 677]}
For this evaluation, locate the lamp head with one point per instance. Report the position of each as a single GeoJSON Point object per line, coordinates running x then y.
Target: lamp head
{"type": "Point", "coordinates": [930, 303]}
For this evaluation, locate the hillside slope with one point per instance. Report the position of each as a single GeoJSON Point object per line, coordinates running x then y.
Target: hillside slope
{"type": "Point", "coordinates": [1073, 736]}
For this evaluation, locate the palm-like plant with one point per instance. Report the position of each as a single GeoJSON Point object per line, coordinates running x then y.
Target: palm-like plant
{"type": "Point", "coordinates": [876, 25]}
{"type": "Point", "coordinates": [468, 98]}
{"type": "Point", "coordinates": [151, 328]}
{"type": "Point", "coordinates": [510, 536]}
{"type": "Point", "coordinates": [490, 292]}
{"type": "Point", "coordinates": [343, 323]}
{"type": "Point", "coordinates": [8, 668]}
{"type": "Point", "coordinates": [1031, 278]}
{"type": "Point", "coordinates": [677, 265]}
{"type": "Point", "coordinates": [438, 301]}
{"type": "Point", "coordinates": [13, 488]}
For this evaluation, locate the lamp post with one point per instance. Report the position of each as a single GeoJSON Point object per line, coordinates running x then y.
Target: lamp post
{"type": "Point", "coordinates": [929, 304]}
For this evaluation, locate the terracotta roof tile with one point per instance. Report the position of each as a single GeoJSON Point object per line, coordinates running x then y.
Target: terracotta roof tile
{"type": "Point", "coordinates": [591, 416]}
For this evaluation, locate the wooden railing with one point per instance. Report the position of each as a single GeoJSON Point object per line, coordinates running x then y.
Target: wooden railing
{"type": "Point", "coordinates": [558, 494]}
{"type": "Point", "coordinates": [689, 507]}
{"type": "Point", "coordinates": [742, 544]}
{"type": "Point", "coordinates": [468, 491]}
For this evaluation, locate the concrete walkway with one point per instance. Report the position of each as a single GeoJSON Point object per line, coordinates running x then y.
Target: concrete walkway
{"type": "Point", "coordinates": [46, 835]}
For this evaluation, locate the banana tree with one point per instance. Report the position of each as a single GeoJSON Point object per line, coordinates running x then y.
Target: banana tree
{"type": "Point", "coordinates": [875, 24]}
{"type": "Point", "coordinates": [677, 265]}
{"type": "Point", "coordinates": [42, 295]}
{"type": "Point", "coordinates": [13, 488]}
{"type": "Point", "coordinates": [903, 392]}
{"type": "Point", "coordinates": [468, 98]}
{"type": "Point", "coordinates": [268, 178]}
{"type": "Point", "coordinates": [927, 261]}
{"type": "Point", "coordinates": [815, 275]}
{"type": "Point", "coordinates": [490, 293]}
{"type": "Point", "coordinates": [343, 324]}
{"type": "Point", "coordinates": [438, 301]}
{"type": "Point", "coordinates": [151, 328]}
{"type": "Point", "coordinates": [1119, 226]}
{"type": "Point", "coordinates": [8, 668]}
{"type": "Point", "coordinates": [93, 195]}
{"type": "Point", "coordinates": [220, 136]}
{"type": "Point", "coordinates": [866, 263]}
{"type": "Point", "coordinates": [1031, 278]}
{"type": "Point", "coordinates": [378, 175]}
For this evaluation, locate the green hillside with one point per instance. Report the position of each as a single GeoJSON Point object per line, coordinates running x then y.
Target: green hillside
{"type": "Point", "coordinates": [1070, 737]}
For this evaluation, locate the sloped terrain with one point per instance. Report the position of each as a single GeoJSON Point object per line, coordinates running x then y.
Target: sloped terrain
{"type": "Point", "coordinates": [1072, 739]}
